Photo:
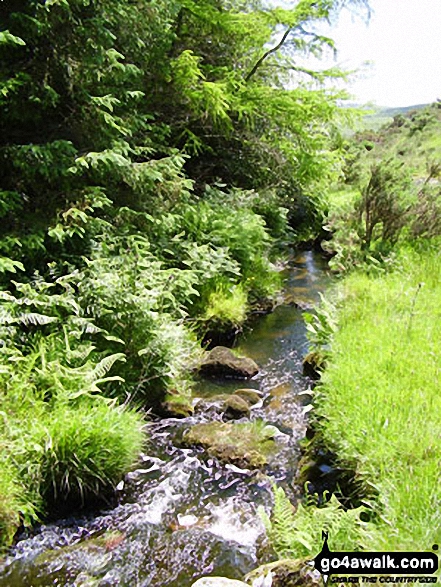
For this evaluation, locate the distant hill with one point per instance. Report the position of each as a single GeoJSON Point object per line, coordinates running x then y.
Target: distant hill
{"type": "Point", "coordinates": [386, 112]}
{"type": "Point", "coordinates": [383, 115]}
{"type": "Point", "coordinates": [413, 138]}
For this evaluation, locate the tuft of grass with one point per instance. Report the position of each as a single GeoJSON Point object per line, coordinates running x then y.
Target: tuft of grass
{"type": "Point", "coordinates": [379, 405]}
{"type": "Point", "coordinates": [78, 453]}
{"type": "Point", "coordinates": [15, 506]}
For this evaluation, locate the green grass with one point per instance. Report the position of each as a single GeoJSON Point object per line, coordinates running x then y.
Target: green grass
{"type": "Point", "coordinates": [14, 504]}
{"type": "Point", "coordinates": [379, 406]}
{"type": "Point", "coordinates": [80, 452]}
{"type": "Point", "coordinates": [68, 454]}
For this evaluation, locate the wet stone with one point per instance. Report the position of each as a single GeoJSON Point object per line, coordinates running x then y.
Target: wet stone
{"type": "Point", "coordinates": [212, 408]}
{"type": "Point", "coordinates": [251, 396]}
{"type": "Point", "coordinates": [231, 406]}
{"type": "Point", "coordinates": [236, 407]}
{"type": "Point", "coordinates": [222, 362]}
{"type": "Point", "coordinates": [174, 409]}
{"type": "Point", "coordinates": [235, 443]}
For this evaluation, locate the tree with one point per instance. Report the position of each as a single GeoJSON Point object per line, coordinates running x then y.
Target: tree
{"type": "Point", "coordinates": [98, 98]}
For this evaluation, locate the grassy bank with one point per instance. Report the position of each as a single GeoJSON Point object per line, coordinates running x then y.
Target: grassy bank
{"type": "Point", "coordinates": [379, 406]}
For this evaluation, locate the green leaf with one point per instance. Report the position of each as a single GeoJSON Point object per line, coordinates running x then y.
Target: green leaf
{"type": "Point", "coordinates": [8, 39]}
{"type": "Point", "coordinates": [9, 265]}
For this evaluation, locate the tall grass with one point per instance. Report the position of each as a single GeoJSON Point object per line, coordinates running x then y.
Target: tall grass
{"type": "Point", "coordinates": [379, 406]}
{"type": "Point", "coordinates": [68, 453]}
{"type": "Point", "coordinates": [79, 452]}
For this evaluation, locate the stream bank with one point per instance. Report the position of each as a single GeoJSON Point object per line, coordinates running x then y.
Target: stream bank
{"type": "Point", "coordinates": [184, 514]}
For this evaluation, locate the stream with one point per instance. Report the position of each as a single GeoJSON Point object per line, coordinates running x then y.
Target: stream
{"type": "Point", "coordinates": [180, 515]}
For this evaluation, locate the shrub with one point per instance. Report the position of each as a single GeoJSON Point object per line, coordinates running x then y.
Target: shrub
{"type": "Point", "coordinates": [385, 204]}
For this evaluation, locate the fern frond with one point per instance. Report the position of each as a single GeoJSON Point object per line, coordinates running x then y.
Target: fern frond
{"type": "Point", "coordinates": [297, 533]}
{"type": "Point", "coordinates": [104, 366]}
{"type": "Point", "coordinates": [35, 319]}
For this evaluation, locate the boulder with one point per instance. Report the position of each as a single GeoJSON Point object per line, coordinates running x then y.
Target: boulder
{"type": "Point", "coordinates": [172, 409]}
{"type": "Point", "coordinates": [236, 407]}
{"type": "Point", "coordinates": [212, 406]}
{"type": "Point", "coordinates": [240, 444]}
{"type": "Point", "coordinates": [313, 364]}
{"type": "Point", "coordinates": [251, 396]}
{"type": "Point", "coordinates": [222, 362]}
{"type": "Point", "coordinates": [218, 582]}
{"type": "Point", "coordinates": [176, 404]}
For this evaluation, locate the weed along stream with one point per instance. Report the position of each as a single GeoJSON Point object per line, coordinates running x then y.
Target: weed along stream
{"type": "Point", "coordinates": [190, 509]}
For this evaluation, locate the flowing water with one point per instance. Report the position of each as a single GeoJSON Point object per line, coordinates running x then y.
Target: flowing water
{"type": "Point", "coordinates": [182, 515]}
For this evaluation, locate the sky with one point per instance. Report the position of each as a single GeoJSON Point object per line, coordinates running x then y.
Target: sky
{"type": "Point", "coordinates": [402, 42]}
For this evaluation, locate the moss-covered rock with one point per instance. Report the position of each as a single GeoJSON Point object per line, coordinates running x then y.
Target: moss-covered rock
{"type": "Point", "coordinates": [230, 406]}
{"type": "Point", "coordinates": [236, 407]}
{"type": "Point", "coordinates": [245, 445]}
{"type": "Point", "coordinates": [212, 406]}
{"type": "Point", "coordinates": [176, 404]}
{"type": "Point", "coordinates": [251, 396]}
{"type": "Point", "coordinates": [222, 362]}
{"type": "Point", "coordinates": [177, 409]}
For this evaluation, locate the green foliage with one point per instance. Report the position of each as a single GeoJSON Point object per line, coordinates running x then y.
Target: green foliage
{"type": "Point", "coordinates": [222, 241]}
{"type": "Point", "coordinates": [226, 308]}
{"type": "Point", "coordinates": [86, 106]}
{"type": "Point", "coordinates": [297, 533]}
{"type": "Point", "coordinates": [151, 161]}
{"type": "Point", "coordinates": [321, 325]}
